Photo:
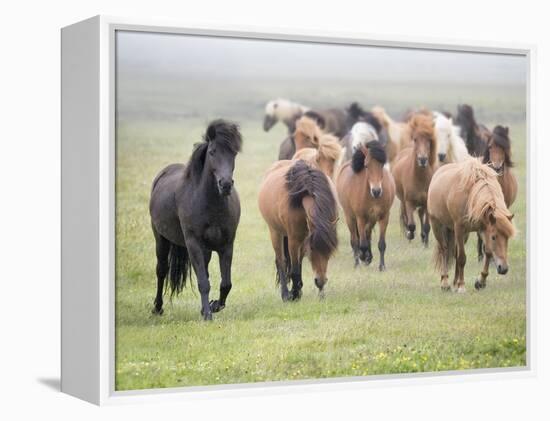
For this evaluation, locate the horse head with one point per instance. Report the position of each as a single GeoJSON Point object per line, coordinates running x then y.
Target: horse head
{"type": "Point", "coordinates": [424, 139]}
{"type": "Point", "coordinates": [497, 229]}
{"type": "Point", "coordinates": [223, 141]}
{"type": "Point", "coordinates": [498, 155]}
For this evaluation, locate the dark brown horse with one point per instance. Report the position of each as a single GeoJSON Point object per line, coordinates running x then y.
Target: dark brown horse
{"type": "Point", "coordinates": [499, 157]}
{"type": "Point", "coordinates": [413, 170]}
{"type": "Point", "coordinates": [475, 135]}
{"type": "Point", "coordinates": [194, 211]}
{"type": "Point", "coordinates": [366, 191]}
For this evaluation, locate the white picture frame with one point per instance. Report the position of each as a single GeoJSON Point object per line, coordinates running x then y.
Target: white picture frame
{"type": "Point", "coordinates": [88, 197]}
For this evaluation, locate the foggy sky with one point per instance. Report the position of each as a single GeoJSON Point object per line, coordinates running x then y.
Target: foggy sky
{"type": "Point", "coordinates": [199, 57]}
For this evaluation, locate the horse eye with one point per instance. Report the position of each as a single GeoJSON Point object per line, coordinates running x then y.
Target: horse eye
{"type": "Point", "coordinates": [493, 238]}
{"type": "Point", "coordinates": [211, 151]}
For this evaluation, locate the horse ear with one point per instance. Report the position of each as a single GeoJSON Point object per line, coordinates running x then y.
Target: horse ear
{"type": "Point", "coordinates": [510, 217]}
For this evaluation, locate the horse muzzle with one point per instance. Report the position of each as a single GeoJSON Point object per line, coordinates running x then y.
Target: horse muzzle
{"type": "Point", "coordinates": [442, 157]}
{"type": "Point", "coordinates": [423, 162]}
{"type": "Point", "coordinates": [225, 187]}
{"type": "Point", "coordinates": [269, 122]}
{"type": "Point", "coordinates": [376, 192]}
{"type": "Point", "coordinates": [502, 268]}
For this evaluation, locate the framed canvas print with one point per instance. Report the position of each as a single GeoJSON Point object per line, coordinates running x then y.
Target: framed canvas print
{"type": "Point", "coordinates": [243, 210]}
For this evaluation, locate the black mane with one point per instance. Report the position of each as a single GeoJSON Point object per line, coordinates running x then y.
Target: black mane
{"type": "Point", "coordinates": [376, 151]}
{"type": "Point", "coordinates": [224, 134]}
{"type": "Point", "coordinates": [500, 137]}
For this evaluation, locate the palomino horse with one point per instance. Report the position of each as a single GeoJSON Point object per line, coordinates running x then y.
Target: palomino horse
{"type": "Point", "coordinates": [475, 135]}
{"type": "Point", "coordinates": [366, 191]}
{"type": "Point", "coordinates": [499, 157]}
{"type": "Point", "coordinates": [324, 157]}
{"type": "Point", "coordinates": [466, 197]}
{"type": "Point", "coordinates": [412, 170]}
{"type": "Point", "coordinates": [333, 120]}
{"type": "Point", "coordinates": [450, 146]}
{"type": "Point", "coordinates": [288, 147]}
{"type": "Point", "coordinates": [194, 211]}
{"type": "Point", "coordinates": [298, 204]}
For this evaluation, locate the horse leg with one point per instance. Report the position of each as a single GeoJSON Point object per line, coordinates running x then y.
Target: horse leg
{"type": "Point", "coordinates": [368, 235]}
{"type": "Point", "coordinates": [198, 261]}
{"type": "Point", "coordinates": [354, 237]}
{"type": "Point", "coordinates": [278, 242]}
{"type": "Point", "coordinates": [425, 222]}
{"type": "Point", "coordinates": [295, 268]}
{"type": "Point", "coordinates": [226, 257]}
{"type": "Point", "coordinates": [162, 251]}
{"type": "Point", "coordinates": [481, 282]}
{"type": "Point", "coordinates": [479, 248]}
{"type": "Point", "coordinates": [460, 259]}
{"type": "Point", "coordinates": [409, 220]}
{"type": "Point", "coordinates": [442, 254]}
{"type": "Point", "coordinates": [365, 254]}
{"type": "Point", "coordinates": [383, 224]}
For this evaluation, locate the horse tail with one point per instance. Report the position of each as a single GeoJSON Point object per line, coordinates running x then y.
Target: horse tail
{"type": "Point", "coordinates": [178, 267]}
{"type": "Point", "coordinates": [445, 250]}
{"type": "Point", "coordinates": [310, 189]}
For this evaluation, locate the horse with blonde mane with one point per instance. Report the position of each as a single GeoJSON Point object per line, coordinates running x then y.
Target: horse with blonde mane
{"type": "Point", "coordinates": [324, 157]}
{"type": "Point", "coordinates": [298, 204]}
{"type": "Point", "coordinates": [450, 146]}
{"type": "Point", "coordinates": [466, 197]}
{"type": "Point", "coordinates": [366, 191]}
{"type": "Point", "coordinates": [412, 171]}
{"type": "Point", "coordinates": [360, 134]}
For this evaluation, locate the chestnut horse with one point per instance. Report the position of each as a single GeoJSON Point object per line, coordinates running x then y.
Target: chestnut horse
{"type": "Point", "coordinates": [466, 197]}
{"type": "Point", "coordinates": [413, 170]}
{"type": "Point", "coordinates": [298, 204]}
{"type": "Point", "coordinates": [499, 157]}
{"type": "Point", "coordinates": [366, 191]}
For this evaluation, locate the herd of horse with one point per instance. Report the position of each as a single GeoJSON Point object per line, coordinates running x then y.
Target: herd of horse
{"type": "Point", "coordinates": [453, 172]}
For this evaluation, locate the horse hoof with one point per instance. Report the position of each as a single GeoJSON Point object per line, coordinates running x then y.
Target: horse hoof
{"type": "Point", "coordinates": [322, 295]}
{"type": "Point", "coordinates": [382, 268]}
{"type": "Point", "coordinates": [410, 235]}
{"type": "Point", "coordinates": [215, 306]}
{"type": "Point", "coordinates": [207, 316]}
{"type": "Point", "coordinates": [296, 295]}
{"type": "Point", "coordinates": [461, 290]}
{"type": "Point", "coordinates": [157, 311]}
{"type": "Point", "coordinates": [445, 288]}
{"type": "Point", "coordinates": [479, 285]}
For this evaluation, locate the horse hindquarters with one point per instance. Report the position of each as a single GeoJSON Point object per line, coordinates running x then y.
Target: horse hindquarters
{"type": "Point", "coordinates": [172, 262]}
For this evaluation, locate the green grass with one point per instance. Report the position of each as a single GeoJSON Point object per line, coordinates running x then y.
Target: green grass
{"type": "Point", "coordinates": [370, 322]}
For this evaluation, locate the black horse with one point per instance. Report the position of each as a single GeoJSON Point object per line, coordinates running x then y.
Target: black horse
{"type": "Point", "coordinates": [194, 211]}
{"type": "Point", "coordinates": [475, 135]}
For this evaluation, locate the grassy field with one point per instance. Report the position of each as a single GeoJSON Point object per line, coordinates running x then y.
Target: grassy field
{"type": "Point", "coordinates": [370, 323]}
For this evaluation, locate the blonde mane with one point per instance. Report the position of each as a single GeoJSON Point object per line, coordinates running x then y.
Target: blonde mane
{"type": "Point", "coordinates": [329, 151]}
{"type": "Point", "coordinates": [485, 195]}
{"type": "Point", "coordinates": [284, 110]}
{"type": "Point", "coordinates": [310, 130]}
{"type": "Point", "coordinates": [394, 129]}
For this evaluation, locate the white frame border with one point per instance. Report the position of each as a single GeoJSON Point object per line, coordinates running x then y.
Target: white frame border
{"type": "Point", "coordinates": [107, 394]}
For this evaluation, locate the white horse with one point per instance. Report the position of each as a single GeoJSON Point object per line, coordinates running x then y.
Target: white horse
{"type": "Point", "coordinates": [450, 146]}
{"type": "Point", "coordinates": [283, 110]}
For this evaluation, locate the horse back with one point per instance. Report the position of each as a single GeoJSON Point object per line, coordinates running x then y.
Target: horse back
{"type": "Point", "coordinates": [162, 204]}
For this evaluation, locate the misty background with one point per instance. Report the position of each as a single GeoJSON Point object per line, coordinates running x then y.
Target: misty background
{"type": "Point", "coordinates": [162, 76]}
